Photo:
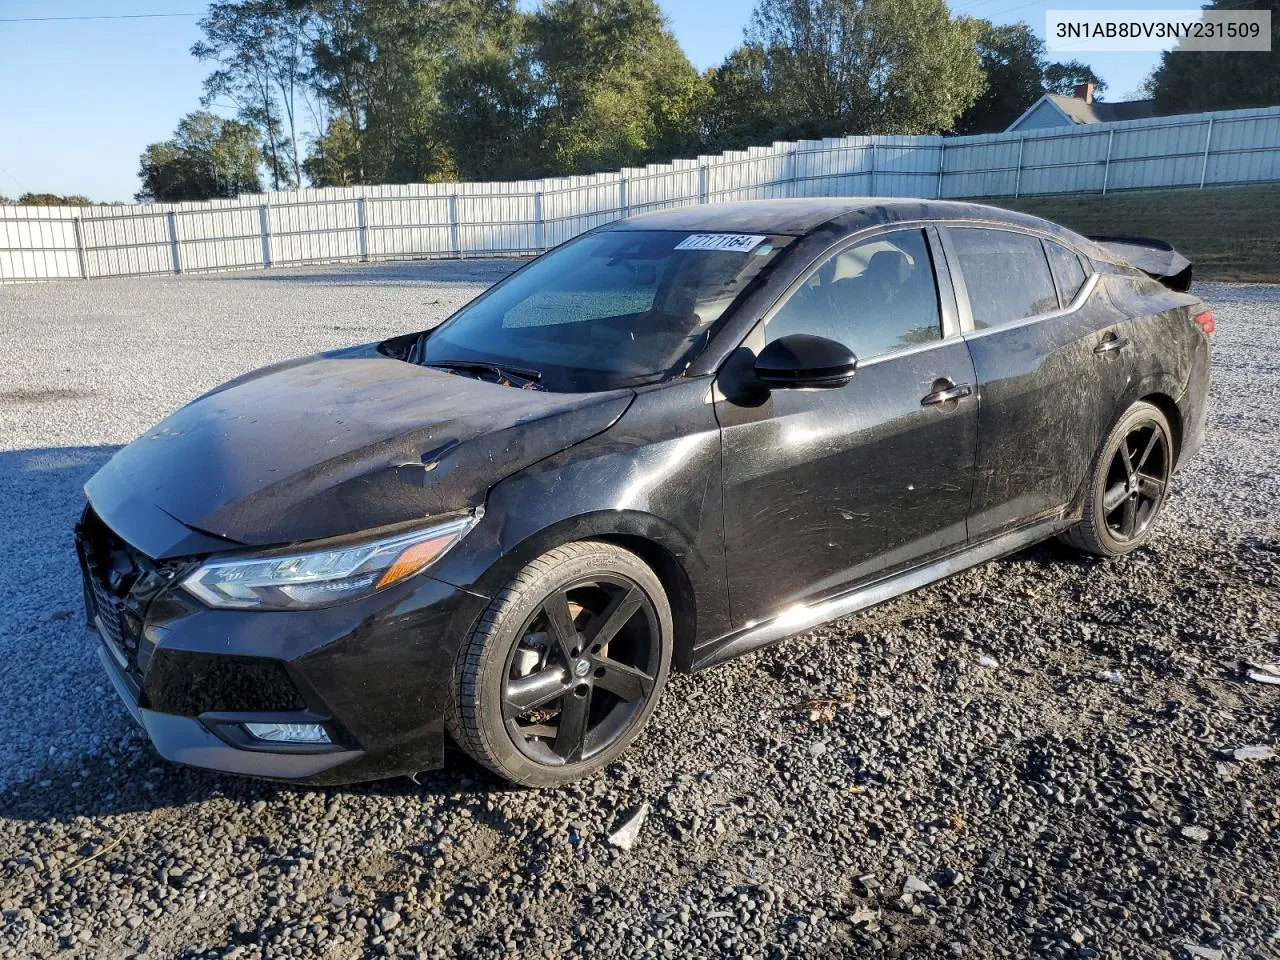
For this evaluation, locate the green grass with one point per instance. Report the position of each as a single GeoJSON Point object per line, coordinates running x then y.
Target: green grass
{"type": "Point", "coordinates": [1228, 233]}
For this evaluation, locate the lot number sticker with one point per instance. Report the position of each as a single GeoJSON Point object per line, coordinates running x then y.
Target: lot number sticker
{"type": "Point", "coordinates": [730, 242]}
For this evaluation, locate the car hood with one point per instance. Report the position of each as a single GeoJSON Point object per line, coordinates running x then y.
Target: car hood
{"type": "Point", "coordinates": [331, 445]}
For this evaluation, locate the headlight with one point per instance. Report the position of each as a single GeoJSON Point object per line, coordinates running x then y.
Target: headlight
{"type": "Point", "coordinates": [321, 578]}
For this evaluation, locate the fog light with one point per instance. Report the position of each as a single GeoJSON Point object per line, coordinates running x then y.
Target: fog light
{"type": "Point", "coordinates": [288, 732]}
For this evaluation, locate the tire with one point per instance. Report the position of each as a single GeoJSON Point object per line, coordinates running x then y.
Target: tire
{"type": "Point", "coordinates": [1126, 492]}
{"type": "Point", "coordinates": [540, 636]}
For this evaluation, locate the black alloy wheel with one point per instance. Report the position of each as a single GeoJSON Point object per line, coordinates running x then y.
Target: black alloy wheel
{"type": "Point", "coordinates": [582, 671]}
{"type": "Point", "coordinates": [1136, 481]}
{"type": "Point", "coordinates": [1128, 485]}
{"type": "Point", "coordinates": [565, 666]}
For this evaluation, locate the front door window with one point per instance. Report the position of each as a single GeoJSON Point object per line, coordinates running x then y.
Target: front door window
{"type": "Point", "coordinates": [875, 297]}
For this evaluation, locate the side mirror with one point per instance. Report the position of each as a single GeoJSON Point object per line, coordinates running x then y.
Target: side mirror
{"type": "Point", "coordinates": [802, 361]}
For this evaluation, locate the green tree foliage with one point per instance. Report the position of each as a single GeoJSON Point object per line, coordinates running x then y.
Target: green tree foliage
{"type": "Point", "coordinates": [616, 88]}
{"type": "Point", "coordinates": [396, 72]}
{"type": "Point", "coordinates": [208, 157]}
{"type": "Point", "coordinates": [489, 98]}
{"type": "Point", "coordinates": [1063, 78]}
{"type": "Point", "coordinates": [260, 47]}
{"type": "Point", "coordinates": [865, 66]}
{"type": "Point", "coordinates": [1191, 82]}
{"type": "Point", "coordinates": [1013, 63]}
{"type": "Point", "coordinates": [51, 200]}
{"type": "Point", "coordinates": [739, 111]}
{"type": "Point", "coordinates": [335, 159]}
{"type": "Point", "coordinates": [401, 91]}
{"type": "Point", "coordinates": [479, 89]}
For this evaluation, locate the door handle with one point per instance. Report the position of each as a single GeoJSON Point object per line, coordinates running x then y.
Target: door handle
{"type": "Point", "coordinates": [1111, 345]}
{"type": "Point", "coordinates": [944, 394]}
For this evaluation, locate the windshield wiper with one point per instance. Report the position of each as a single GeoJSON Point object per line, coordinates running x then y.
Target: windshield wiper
{"type": "Point", "coordinates": [505, 372]}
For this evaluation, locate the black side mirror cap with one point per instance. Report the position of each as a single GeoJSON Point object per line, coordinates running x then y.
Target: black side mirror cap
{"type": "Point", "coordinates": [801, 361]}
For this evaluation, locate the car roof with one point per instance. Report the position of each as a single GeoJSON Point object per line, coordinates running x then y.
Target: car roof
{"type": "Point", "coordinates": [801, 216]}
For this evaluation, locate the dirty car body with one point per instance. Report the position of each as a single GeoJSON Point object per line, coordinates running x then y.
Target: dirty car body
{"type": "Point", "coordinates": [989, 356]}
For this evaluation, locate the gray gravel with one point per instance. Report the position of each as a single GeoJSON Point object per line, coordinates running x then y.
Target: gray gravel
{"type": "Point", "coordinates": [1036, 758]}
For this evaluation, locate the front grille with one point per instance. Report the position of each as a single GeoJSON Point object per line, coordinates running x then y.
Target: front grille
{"type": "Point", "coordinates": [111, 620]}
{"type": "Point", "coordinates": [119, 586]}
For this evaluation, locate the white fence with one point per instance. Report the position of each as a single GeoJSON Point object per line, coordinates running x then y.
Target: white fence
{"type": "Point", "coordinates": [493, 219]}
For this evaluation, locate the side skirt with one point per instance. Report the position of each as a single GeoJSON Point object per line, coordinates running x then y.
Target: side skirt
{"type": "Point", "coordinates": [804, 617]}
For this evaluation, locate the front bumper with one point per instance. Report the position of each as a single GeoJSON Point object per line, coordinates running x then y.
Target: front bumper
{"type": "Point", "coordinates": [188, 741]}
{"type": "Point", "coordinates": [376, 673]}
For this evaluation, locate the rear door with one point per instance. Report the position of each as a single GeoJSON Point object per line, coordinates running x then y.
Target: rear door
{"type": "Point", "coordinates": [825, 488]}
{"type": "Point", "coordinates": [1052, 362]}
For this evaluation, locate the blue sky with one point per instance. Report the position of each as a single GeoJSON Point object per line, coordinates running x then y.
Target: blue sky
{"type": "Point", "coordinates": [83, 98]}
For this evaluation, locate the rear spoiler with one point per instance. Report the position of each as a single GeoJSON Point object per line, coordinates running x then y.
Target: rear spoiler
{"type": "Point", "coordinates": [1155, 258]}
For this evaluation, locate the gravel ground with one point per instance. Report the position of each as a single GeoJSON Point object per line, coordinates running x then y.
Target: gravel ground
{"type": "Point", "coordinates": [1035, 758]}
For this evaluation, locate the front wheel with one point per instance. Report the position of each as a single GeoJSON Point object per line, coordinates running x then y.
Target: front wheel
{"type": "Point", "coordinates": [565, 666]}
{"type": "Point", "coordinates": [1128, 486]}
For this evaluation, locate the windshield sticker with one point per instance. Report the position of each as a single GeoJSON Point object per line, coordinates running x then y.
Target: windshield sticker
{"type": "Point", "coordinates": [729, 242]}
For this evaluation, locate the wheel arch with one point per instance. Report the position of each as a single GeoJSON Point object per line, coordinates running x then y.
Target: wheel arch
{"type": "Point", "coordinates": [1169, 407]}
{"type": "Point", "coordinates": [684, 606]}
{"type": "Point", "coordinates": [1152, 390]}
{"type": "Point", "coordinates": [657, 542]}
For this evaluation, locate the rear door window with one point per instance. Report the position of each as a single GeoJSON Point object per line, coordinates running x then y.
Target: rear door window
{"type": "Point", "coordinates": [1006, 273]}
{"type": "Point", "coordinates": [1067, 270]}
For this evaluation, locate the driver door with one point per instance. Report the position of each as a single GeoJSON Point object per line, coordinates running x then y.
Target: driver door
{"type": "Point", "coordinates": [825, 489]}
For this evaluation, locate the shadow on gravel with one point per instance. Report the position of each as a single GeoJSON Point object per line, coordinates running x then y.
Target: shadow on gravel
{"type": "Point", "coordinates": [51, 710]}
{"type": "Point", "coordinates": [133, 778]}
{"type": "Point", "coordinates": [41, 496]}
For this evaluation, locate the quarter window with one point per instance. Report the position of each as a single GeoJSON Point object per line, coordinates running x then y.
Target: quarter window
{"type": "Point", "coordinates": [875, 297]}
{"type": "Point", "coordinates": [1006, 274]}
{"type": "Point", "coordinates": [1067, 270]}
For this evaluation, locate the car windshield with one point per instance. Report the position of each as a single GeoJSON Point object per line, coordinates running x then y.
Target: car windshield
{"type": "Point", "coordinates": [607, 310]}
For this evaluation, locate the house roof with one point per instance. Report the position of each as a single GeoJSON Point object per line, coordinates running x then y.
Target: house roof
{"type": "Point", "coordinates": [1076, 111]}
{"type": "Point", "coordinates": [1100, 111]}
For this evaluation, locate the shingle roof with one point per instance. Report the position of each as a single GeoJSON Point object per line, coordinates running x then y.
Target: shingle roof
{"type": "Point", "coordinates": [1101, 111]}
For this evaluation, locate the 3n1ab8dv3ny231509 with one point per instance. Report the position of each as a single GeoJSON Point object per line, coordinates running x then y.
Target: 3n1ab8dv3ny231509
{"type": "Point", "coordinates": [663, 444]}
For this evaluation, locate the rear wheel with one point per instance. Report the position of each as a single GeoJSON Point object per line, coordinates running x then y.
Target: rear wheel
{"type": "Point", "coordinates": [565, 666]}
{"type": "Point", "coordinates": [1128, 486]}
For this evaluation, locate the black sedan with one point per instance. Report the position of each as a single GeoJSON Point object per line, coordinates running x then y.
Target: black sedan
{"type": "Point", "coordinates": [663, 444]}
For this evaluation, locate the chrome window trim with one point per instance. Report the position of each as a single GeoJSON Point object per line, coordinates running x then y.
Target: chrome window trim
{"type": "Point", "coordinates": [966, 310]}
{"type": "Point", "coordinates": [853, 239]}
{"type": "Point", "coordinates": [1072, 307]}
{"type": "Point", "coordinates": [909, 351]}
{"type": "Point", "coordinates": [1044, 243]}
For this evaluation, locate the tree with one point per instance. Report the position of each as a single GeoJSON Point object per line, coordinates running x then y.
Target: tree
{"type": "Point", "coordinates": [489, 98]}
{"type": "Point", "coordinates": [334, 160]}
{"type": "Point", "coordinates": [207, 157]}
{"type": "Point", "coordinates": [739, 112]}
{"type": "Point", "coordinates": [51, 200]}
{"type": "Point", "coordinates": [1012, 59]}
{"type": "Point", "coordinates": [617, 90]}
{"type": "Point", "coordinates": [833, 67]}
{"type": "Point", "coordinates": [379, 64]}
{"type": "Point", "coordinates": [1063, 78]}
{"type": "Point", "coordinates": [488, 115]}
{"type": "Point", "coordinates": [1220, 80]}
{"type": "Point", "coordinates": [260, 49]}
